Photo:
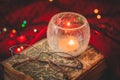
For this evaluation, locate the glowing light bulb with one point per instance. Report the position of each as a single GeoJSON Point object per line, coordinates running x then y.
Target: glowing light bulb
{"type": "Point", "coordinates": [98, 16]}
{"type": "Point", "coordinates": [96, 11]}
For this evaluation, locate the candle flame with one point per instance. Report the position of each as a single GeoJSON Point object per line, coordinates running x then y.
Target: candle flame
{"type": "Point", "coordinates": [71, 42]}
{"type": "Point", "coordinates": [67, 44]}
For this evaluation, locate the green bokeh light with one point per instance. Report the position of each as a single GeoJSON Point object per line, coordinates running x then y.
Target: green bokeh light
{"type": "Point", "coordinates": [23, 25]}
{"type": "Point", "coordinates": [79, 19]}
{"type": "Point", "coordinates": [24, 22]}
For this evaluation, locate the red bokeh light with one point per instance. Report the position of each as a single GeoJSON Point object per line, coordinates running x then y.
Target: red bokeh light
{"type": "Point", "coordinates": [22, 38]}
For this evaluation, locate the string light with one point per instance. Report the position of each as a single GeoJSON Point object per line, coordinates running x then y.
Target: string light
{"type": "Point", "coordinates": [35, 30]}
{"type": "Point", "coordinates": [4, 29]}
{"type": "Point", "coordinates": [98, 16]}
{"type": "Point", "coordinates": [24, 24]}
{"type": "Point", "coordinates": [18, 49]}
{"type": "Point", "coordinates": [22, 38]}
{"type": "Point", "coordinates": [12, 35]}
{"type": "Point", "coordinates": [50, 0]}
{"type": "Point", "coordinates": [22, 47]}
{"type": "Point", "coordinates": [14, 31]}
{"type": "Point", "coordinates": [96, 11]}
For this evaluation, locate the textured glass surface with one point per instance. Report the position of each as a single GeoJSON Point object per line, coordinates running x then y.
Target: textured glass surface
{"type": "Point", "coordinates": [68, 32]}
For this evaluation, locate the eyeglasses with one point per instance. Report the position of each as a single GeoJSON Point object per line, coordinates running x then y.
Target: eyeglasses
{"type": "Point", "coordinates": [52, 59]}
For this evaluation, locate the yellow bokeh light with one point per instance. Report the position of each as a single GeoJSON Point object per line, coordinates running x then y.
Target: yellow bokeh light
{"type": "Point", "coordinates": [4, 29]}
{"type": "Point", "coordinates": [50, 0]}
{"type": "Point", "coordinates": [13, 31]}
{"type": "Point", "coordinates": [21, 47]}
{"type": "Point", "coordinates": [99, 16]}
{"type": "Point", "coordinates": [96, 11]}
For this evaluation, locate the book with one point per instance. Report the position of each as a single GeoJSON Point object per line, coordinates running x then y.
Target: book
{"type": "Point", "coordinates": [39, 62]}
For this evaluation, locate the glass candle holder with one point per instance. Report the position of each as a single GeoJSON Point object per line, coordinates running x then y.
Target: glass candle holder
{"type": "Point", "coordinates": [68, 32]}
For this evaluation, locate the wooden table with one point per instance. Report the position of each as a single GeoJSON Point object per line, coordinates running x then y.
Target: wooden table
{"type": "Point", "coordinates": [39, 62]}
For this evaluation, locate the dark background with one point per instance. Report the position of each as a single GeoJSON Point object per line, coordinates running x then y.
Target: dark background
{"type": "Point", "coordinates": [105, 32]}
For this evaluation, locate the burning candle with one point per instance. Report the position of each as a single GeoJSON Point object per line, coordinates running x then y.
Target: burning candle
{"type": "Point", "coordinates": [68, 32]}
{"type": "Point", "coordinates": [68, 44]}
